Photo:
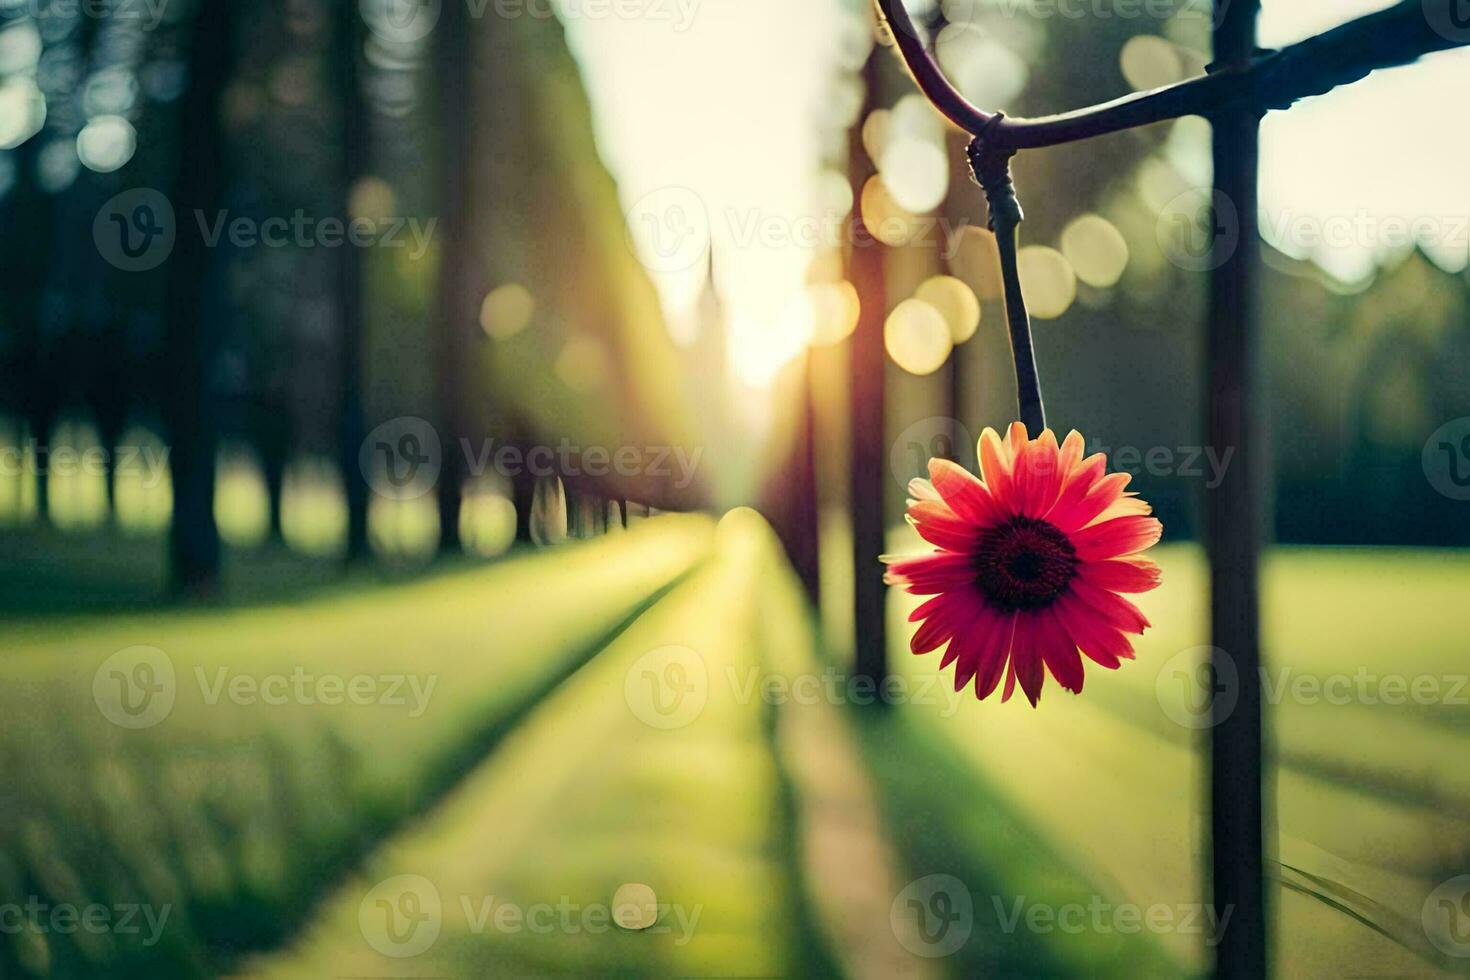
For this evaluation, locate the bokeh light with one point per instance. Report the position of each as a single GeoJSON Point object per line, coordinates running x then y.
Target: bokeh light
{"type": "Point", "coordinates": [583, 364]}
{"type": "Point", "coordinates": [956, 302]}
{"type": "Point", "coordinates": [917, 338]}
{"type": "Point", "coordinates": [1096, 250]}
{"type": "Point", "coordinates": [975, 258]}
{"type": "Point", "coordinates": [887, 220]}
{"type": "Point", "coordinates": [22, 112]}
{"type": "Point", "coordinates": [1149, 61]}
{"type": "Point", "coordinates": [507, 310]}
{"type": "Point", "coordinates": [1047, 280]}
{"type": "Point", "coordinates": [107, 143]}
{"type": "Point", "coordinates": [835, 312]}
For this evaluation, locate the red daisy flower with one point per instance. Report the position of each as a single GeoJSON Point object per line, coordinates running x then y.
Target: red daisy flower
{"type": "Point", "coordinates": [1030, 563]}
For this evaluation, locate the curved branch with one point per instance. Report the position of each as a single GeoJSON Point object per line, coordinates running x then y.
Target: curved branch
{"type": "Point", "coordinates": [1396, 36]}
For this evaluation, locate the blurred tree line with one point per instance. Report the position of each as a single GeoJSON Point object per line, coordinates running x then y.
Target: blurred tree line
{"type": "Point", "coordinates": [503, 305]}
{"type": "Point", "coordinates": [525, 319]}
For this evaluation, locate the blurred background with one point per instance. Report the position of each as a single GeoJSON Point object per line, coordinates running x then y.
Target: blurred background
{"type": "Point", "coordinates": [374, 378]}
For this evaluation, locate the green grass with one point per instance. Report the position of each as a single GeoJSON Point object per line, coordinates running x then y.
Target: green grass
{"type": "Point", "coordinates": [540, 776]}
{"type": "Point", "coordinates": [238, 815]}
{"type": "Point", "coordinates": [588, 796]}
{"type": "Point", "coordinates": [1370, 799]}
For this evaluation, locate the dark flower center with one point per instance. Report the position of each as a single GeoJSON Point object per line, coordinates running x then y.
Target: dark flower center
{"type": "Point", "coordinates": [1024, 563]}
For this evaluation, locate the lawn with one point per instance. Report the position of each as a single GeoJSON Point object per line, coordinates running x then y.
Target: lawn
{"type": "Point", "coordinates": [555, 762]}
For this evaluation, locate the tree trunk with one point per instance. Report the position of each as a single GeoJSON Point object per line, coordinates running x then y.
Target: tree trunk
{"type": "Point", "coordinates": [193, 328]}
{"type": "Point", "coordinates": [869, 451]}
{"type": "Point", "coordinates": [461, 272]}
{"type": "Point", "coordinates": [791, 498]}
{"type": "Point", "coordinates": [356, 147]}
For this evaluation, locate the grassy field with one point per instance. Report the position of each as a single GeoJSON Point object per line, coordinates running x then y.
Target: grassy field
{"type": "Point", "coordinates": [633, 711]}
{"type": "Point", "coordinates": [1370, 799]}
{"type": "Point", "coordinates": [235, 812]}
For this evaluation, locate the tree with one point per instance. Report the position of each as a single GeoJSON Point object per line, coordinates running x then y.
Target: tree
{"type": "Point", "coordinates": [193, 313]}
{"type": "Point", "coordinates": [350, 313]}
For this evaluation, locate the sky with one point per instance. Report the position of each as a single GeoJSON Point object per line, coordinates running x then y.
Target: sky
{"type": "Point", "coordinates": [721, 125]}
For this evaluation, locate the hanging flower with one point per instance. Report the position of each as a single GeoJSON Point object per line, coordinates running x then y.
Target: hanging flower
{"type": "Point", "coordinates": [1030, 563]}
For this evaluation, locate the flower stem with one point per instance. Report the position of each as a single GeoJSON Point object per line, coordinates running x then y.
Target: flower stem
{"type": "Point", "coordinates": [992, 169]}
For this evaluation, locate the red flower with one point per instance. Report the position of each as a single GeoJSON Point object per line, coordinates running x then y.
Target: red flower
{"type": "Point", "coordinates": [1030, 563]}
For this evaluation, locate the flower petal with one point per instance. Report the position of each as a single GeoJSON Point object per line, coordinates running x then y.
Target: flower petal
{"type": "Point", "coordinates": [995, 468]}
{"type": "Point", "coordinates": [1059, 652]}
{"type": "Point", "coordinates": [931, 574]}
{"type": "Point", "coordinates": [964, 493]}
{"type": "Point", "coordinates": [1038, 477]}
{"type": "Point", "coordinates": [944, 616]}
{"type": "Point", "coordinates": [995, 656]}
{"type": "Point", "coordinates": [1077, 484]}
{"type": "Point", "coordinates": [972, 646]}
{"type": "Point", "coordinates": [1094, 636]}
{"type": "Point", "coordinates": [1111, 607]}
{"type": "Point", "coordinates": [1107, 491]}
{"type": "Point", "coordinates": [921, 489]}
{"type": "Point", "coordinates": [1070, 456]}
{"type": "Point", "coordinates": [1122, 574]}
{"type": "Point", "coordinates": [1118, 537]}
{"type": "Point", "coordinates": [941, 527]}
{"type": "Point", "coordinates": [1026, 657]}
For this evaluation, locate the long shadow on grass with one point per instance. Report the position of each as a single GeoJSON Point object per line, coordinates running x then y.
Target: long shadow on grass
{"type": "Point", "coordinates": [945, 819]}
{"type": "Point", "coordinates": [324, 825]}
